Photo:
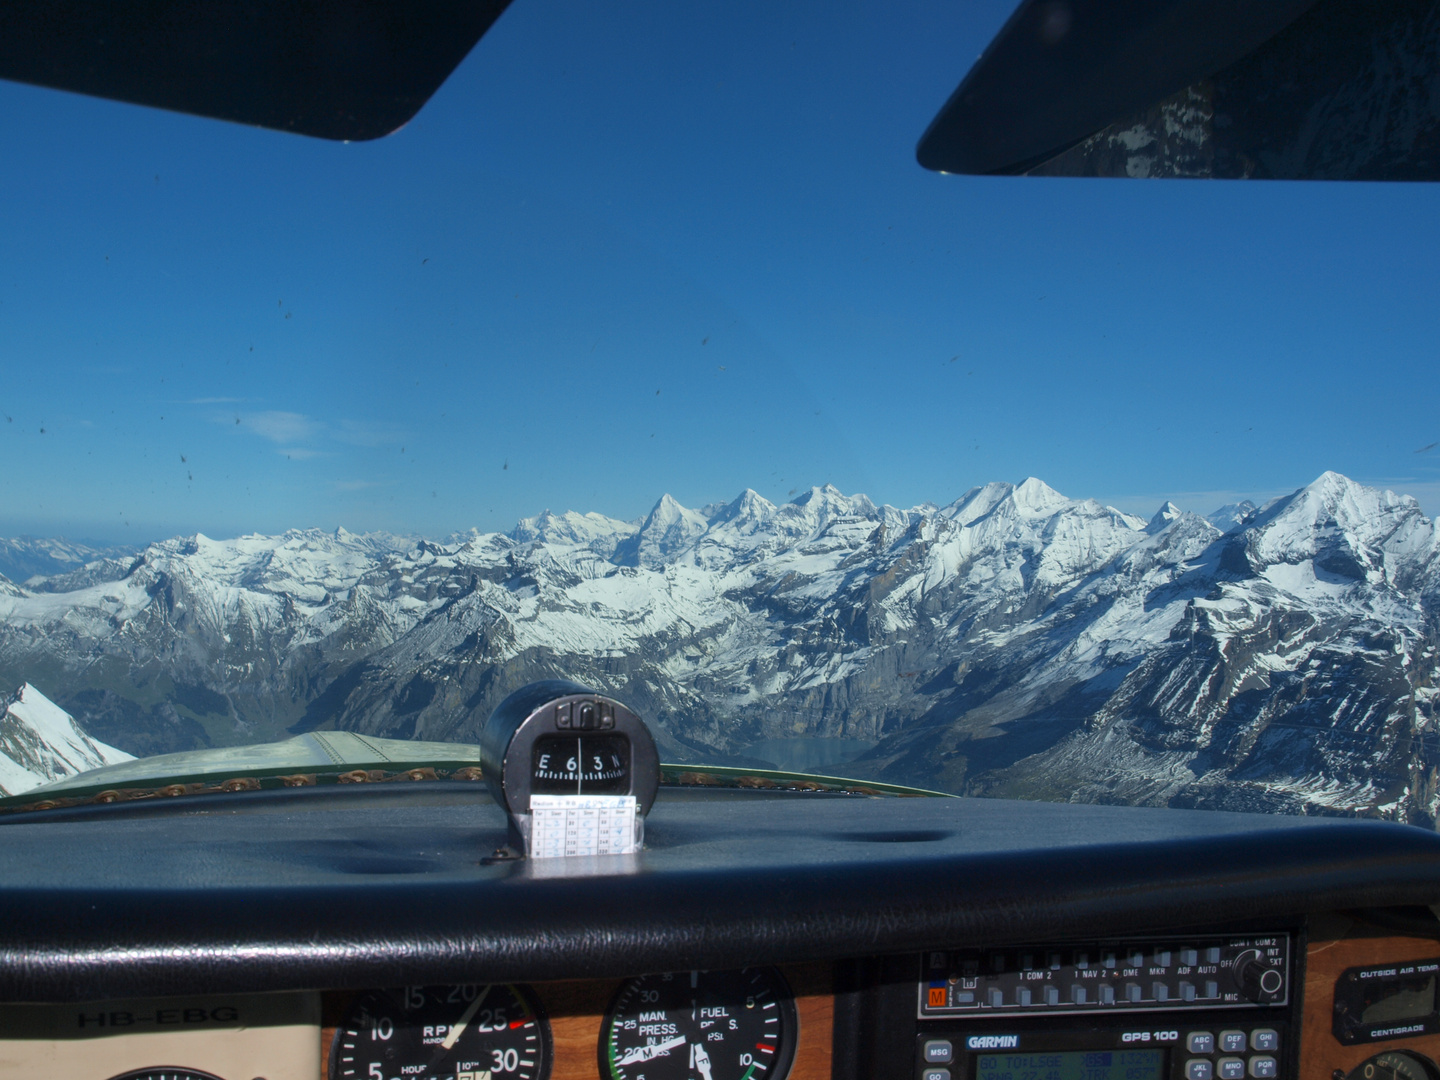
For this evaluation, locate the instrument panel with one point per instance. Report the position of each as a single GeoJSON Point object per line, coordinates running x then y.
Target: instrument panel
{"type": "Point", "coordinates": [1337, 1000]}
{"type": "Point", "coordinates": [680, 1026]}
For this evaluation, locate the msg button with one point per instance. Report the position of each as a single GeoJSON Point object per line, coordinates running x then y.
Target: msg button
{"type": "Point", "coordinates": [939, 1052]}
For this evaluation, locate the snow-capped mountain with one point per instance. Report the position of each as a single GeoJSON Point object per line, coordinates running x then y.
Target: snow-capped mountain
{"type": "Point", "coordinates": [1012, 642]}
{"type": "Point", "coordinates": [40, 742]}
{"type": "Point", "coordinates": [24, 557]}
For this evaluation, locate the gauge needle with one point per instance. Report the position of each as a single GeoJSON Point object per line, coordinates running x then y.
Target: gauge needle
{"type": "Point", "coordinates": [702, 1062]}
{"type": "Point", "coordinates": [650, 1051]}
{"type": "Point", "coordinates": [458, 1029]}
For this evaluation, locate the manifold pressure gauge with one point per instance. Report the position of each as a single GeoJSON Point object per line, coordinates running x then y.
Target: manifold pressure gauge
{"type": "Point", "coordinates": [575, 771]}
{"type": "Point", "coordinates": [700, 1025]}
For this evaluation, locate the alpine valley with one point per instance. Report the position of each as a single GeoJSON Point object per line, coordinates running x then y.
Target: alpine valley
{"type": "Point", "coordinates": [1013, 643]}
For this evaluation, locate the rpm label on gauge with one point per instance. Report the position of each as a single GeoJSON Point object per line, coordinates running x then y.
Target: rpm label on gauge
{"type": "Point", "coordinates": [700, 1025]}
{"type": "Point", "coordinates": [449, 1032]}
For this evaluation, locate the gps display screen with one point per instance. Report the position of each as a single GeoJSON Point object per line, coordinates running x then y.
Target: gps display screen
{"type": "Point", "coordinates": [1071, 1065]}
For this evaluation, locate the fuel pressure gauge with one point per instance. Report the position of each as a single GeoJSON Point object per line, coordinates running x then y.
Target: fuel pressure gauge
{"type": "Point", "coordinates": [575, 771]}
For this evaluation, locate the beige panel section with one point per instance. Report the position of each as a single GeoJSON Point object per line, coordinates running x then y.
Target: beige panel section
{"type": "Point", "coordinates": [237, 1037]}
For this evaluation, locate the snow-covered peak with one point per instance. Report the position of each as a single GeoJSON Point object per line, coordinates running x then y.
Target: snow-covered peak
{"type": "Point", "coordinates": [591, 530]}
{"type": "Point", "coordinates": [812, 512]}
{"type": "Point", "coordinates": [1035, 497]}
{"type": "Point", "coordinates": [668, 529]}
{"type": "Point", "coordinates": [977, 502]}
{"type": "Point", "coordinates": [746, 513]}
{"type": "Point", "coordinates": [1347, 529]}
{"type": "Point", "coordinates": [39, 742]}
{"type": "Point", "coordinates": [668, 514]}
{"type": "Point", "coordinates": [1232, 514]}
{"type": "Point", "coordinates": [1163, 517]}
{"type": "Point", "coordinates": [830, 500]}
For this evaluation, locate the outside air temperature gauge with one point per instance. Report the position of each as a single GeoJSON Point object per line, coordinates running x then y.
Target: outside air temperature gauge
{"type": "Point", "coordinates": [575, 771]}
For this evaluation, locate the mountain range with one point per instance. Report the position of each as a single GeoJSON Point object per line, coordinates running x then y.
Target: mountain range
{"type": "Point", "coordinates": [1013, 642]}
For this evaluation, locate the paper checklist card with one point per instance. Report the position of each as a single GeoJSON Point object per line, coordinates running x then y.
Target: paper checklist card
{"type": "Point", "coordinates": [581, 825]}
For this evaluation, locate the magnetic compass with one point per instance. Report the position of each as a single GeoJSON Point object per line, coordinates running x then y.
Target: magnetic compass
{"type": "Point", "coordinates": [584, 760]}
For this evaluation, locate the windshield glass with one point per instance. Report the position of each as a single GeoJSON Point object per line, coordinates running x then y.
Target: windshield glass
{"type": "Point", "coordinates": [648, 357]}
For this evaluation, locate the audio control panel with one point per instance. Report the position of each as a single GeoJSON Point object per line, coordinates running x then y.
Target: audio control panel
{"type": "Point", "coordinates": [1203, 972]}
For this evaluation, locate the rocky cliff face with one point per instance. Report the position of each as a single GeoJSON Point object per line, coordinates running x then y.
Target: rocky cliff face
{"type": "Point", "coordinates": [1013, 642]}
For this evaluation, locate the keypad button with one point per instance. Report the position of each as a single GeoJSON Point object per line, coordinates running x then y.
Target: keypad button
{"type": "Point", "coordinates": [1107, 994]}
{"type": "Point", "coordinates": [1189, 957]}
{"type": "Point", "coordinates": [1052, 995]}
{"type": "Point", "coordinates": [1022, 995]}
{"type": "Point", "coordinates": [1199, 1069]}
{"type": "Point", "coordinates": [1187, 991]}
{"type": "Point", "coordinates": [935, 1073]}
{"type": "Point", "coordinates": [1265, 1039]}
{"type": "Point", "coordinates": [1232, 1042]}
{"type": "Point", "coordinates": [1264, 1067]}
{"type": "Point", "coordinates": [1200, 1042]}
{"type": "Point", "coordinates": [939, 1051]}
{"type": "Point", "coordinates": [1230, 1069]}
{"type": "Point", "coordinates": [995, 996]}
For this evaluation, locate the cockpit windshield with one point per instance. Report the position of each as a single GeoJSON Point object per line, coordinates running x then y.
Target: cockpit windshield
{"type": "Point", "coordinates": [647, 356]}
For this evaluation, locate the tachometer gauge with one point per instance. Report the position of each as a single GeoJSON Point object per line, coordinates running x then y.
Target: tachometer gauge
{"type": "Point", "coordinates": [466, 1032]}
{"type": "Point", "coordinates": [700, 1025]}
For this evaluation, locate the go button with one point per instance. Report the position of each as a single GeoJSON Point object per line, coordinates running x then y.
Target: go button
{"type": "Point", "coordinates": [935, 1073]}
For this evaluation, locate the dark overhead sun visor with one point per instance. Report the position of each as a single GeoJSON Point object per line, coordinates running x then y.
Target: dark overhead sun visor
{"type": "Point", "coordinates": [337, 69]}
{"type": "Point", "coordinates": [1284, 89]}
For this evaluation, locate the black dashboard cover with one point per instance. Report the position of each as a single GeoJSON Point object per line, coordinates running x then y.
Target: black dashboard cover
{"type": "Point", "coordinates": [337, 69]}
{"type": "Point", "coordinates": [379, 886]}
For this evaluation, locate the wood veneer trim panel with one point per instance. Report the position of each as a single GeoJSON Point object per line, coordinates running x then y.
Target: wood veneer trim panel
{"type": "Point", "coordinates": [577, 1009]}
{"type": "Point", "coordinates": [1321, 1054]}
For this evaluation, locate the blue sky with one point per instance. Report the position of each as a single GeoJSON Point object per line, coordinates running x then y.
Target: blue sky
{"type": "Point", "coordinates": [631, 249]}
